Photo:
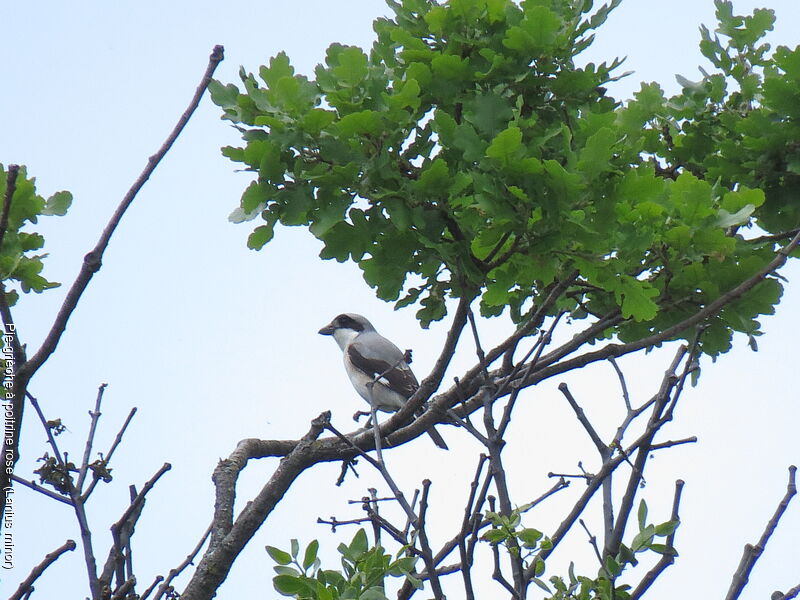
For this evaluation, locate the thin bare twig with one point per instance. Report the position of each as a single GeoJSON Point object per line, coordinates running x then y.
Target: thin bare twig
{"type": "Point", "coordinates": [77, 504]}
{"type": "Point", "coordinates": [467, 527]}
{"type": "Point", "coordinates": [752, 553]}
{"type": "Point", "coordinates": [593, 544]}
{"type": "Point", "coordinates": [424, 545]}
{"type": "Point", "coordinates": [36, 487]}
{"type": "Point", "coordinates": [667, 558]}
{"type": "Point", "coordinates": [478, 348]}
{"type": "Point", "coordinates": [95, 417]}
{"type": "Point", "coordinates": [122, 530]}
{"type": "Point", "coordinates": [380, 466]}
{"type": "Point", "coordinates": [110, 453]}
{"type": "Point", "coordinates": [189, 560]}
{"type": "Point", "coordinates": [792, 593]}
{"type": "Point", "coordinates": [93, 260]}
{"type": "Point", "coordinates": [601, 446]}
{"type": "Point", "coordinates": [672, 443]}
{"type": "Point", "coordinates": [48, 431]}
{"type": "Point", "coordinates": [91, 264]}
{"type": "Point", "coordinates": [670, 384]}
{"type": "Point", "coordinates": [26, 586]}
{"type": "Point", "coordinates": [625, 396]}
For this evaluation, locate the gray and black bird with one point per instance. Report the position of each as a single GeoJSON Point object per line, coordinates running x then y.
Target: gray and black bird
{"type": "Point", "coordinates": [368, 354]}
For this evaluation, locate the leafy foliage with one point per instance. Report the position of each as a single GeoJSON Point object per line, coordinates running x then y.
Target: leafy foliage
{"type": "Point", "coordinates": [527, 542]}
{"type": "Point", "coordinates": [364, 570]}
{"type": "Point", "coordinates": [17, 263]}
{"type": "Point", "coordinates": [468, 154]}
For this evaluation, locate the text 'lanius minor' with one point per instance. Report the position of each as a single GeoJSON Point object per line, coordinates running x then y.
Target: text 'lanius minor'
{"type": "Point", "coordinates": [368, 354]}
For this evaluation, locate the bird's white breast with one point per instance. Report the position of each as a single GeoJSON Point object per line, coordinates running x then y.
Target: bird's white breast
{"type": "Point", "coordinates": [383, 397]}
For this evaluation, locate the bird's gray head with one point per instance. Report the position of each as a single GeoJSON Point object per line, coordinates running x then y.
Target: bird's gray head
{"type": "Point", "coordinates": [347, 321]}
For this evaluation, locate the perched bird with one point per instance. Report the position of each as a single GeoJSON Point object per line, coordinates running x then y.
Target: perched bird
{"type": "Point", "coordinates": [368, 354]}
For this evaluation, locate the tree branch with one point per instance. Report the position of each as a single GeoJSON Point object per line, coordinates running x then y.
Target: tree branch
{"type": "Point", "coordinates": [666, 559]}
{"type": "Point", "coordinates": [95, 417]}
{"type": "Point", "coordinates": [110, 453]}
{"type": "Point", "coordinates": [36, 487]}
{"type": "Point", "coordinates": [27, 585]}
{"type": "Point", "coordinates": [752, 553]}
{"type": "Point", "coordinates": [173, 573]}
{"type": "Point", "coordinates": [93, 260]}
{"type": "Point", "coordinates": [669, 383]}
{"type": "Point", "coordinates": [11, 187]}
{"type": "Point", "coordinates": [91, 264]}
{"type": "Point", "coordinates": [425, 548]}
{"type": "Point", "coordinates": [229, 537]}
{"type": "Point", "coordinates": [122, 530]}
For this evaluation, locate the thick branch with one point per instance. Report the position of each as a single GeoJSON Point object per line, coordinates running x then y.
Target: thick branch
{"type": "Point", "coordinates": [228, 536]}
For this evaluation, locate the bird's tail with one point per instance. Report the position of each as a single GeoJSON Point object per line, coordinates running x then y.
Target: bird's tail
{"type": "Point", "coordinates": [437, 439]}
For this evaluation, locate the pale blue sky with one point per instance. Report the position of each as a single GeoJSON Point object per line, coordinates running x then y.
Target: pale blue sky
{"type": "Point", "coordinates": [204, 335]}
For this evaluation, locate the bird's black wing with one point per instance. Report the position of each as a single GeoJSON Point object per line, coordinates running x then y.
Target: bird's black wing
{"type": "Point", "coordinates": [397, 373]}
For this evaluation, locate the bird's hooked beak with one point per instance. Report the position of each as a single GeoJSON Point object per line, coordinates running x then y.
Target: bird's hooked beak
{"type": "Point", "coordinates": [327, 330]}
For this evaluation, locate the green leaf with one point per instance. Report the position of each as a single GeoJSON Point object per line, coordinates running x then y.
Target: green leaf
{"type": "Point", "coordinates": [539, 567]}
{"type": "Point", "coordinates": [626, 556]}
{"type": "Point", "coordinates": [692, 198]}
{"type": "Point", "coordinates": [530, 537]}
{"type": "Point", "coordinates": [536, 32]}
{"type": "Point", "coordinates": [58, 204]}
{"type": "Point", "coordinates": [317, 119]}
{"type": "Point", "coordinates": [310, 556]}
{"type": "Point", "coordinates": [612, 566]}
{"type": "Point", "coordinates": [254, 198]}
{"type": "Point", "coordinates": [225, 96]}
{"type": "Point", "coordinates": [407, 96]}
{"type": "Point", "coordinates": [740, 217]}
{"type": "Point", "coordinates": [505, 145]}
{"type": "Point", "coordinates": [466, 139]}
{"type": "Point", "coordinates": [596, 155]}
{"type": "Point", "coordinates": [260, 236]}
{"type": "Point", "coordinates": [288, 585]}
{"type": "Point", "coordinates": [667, 528]}
{"type": "Point", "coordinates": [435, 178]}
{"type": "Point", "coordinates": [636, 298]}
{"type": "Point", "coordinates": [351, 67]}
{"type": "Point", "coordinates": [494, 536]}
{"type": "Point", "coordinates": [489, 112]}
{"type": "Point", "coordinates": [279, 68]}
{"type": "Point", "coordinates": [643, 539]}
{"type": "Point", "coordinates": [742, 198]}
{"type": "Point", "coordinates": [663, 549]}
{"type": "Point", "coordinates": [359, 543]}
{"type": "Point", "coordinates": [366, 122]}
{"type": "Point", "coordinates": [642, 514]}
{"type": "Point", "coordinates": [541, 584]}
{"type": "Point", "coordinates": [279, 556]}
